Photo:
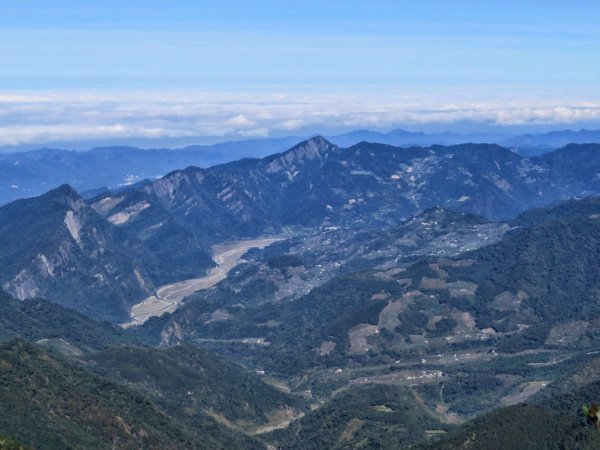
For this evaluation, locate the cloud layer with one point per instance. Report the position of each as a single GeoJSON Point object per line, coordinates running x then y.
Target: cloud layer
{"type": "Point", "coordinates": [40, 118]}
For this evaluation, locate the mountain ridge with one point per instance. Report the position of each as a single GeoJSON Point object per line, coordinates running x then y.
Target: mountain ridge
{"type": "Point", "coordinates": [30, 173]}
{"type": "Point", "coordinates": [314, 184]}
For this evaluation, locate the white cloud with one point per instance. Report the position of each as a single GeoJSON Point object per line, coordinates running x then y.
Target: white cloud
{"type": "Point", "coordinates": [75, 116]}
{"type": "Point", "coordinates": [240, 121]}
{"type": "Point", "coordinates": [257, 132]}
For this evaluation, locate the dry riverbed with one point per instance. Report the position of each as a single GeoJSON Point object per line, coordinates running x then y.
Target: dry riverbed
{"type": "Point", "coordinates": [167, 298]}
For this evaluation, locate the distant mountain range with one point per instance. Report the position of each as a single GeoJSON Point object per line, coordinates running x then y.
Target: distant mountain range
{"type": "Point", "coordinates": [26, 174]}
{"type": "Point", "coordinates": [525, 144]}
{"type": "Point", "coordinates": [103, 254]}
{"type": "Point", "coordinates": [317, 183]}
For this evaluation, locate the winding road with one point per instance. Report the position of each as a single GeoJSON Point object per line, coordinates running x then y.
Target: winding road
{"type": "Point", "coordinates": [167, 298]}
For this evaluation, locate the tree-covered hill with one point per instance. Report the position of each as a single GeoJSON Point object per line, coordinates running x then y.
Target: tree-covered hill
{"type": "Point", "coordinates": [49, 403]}
{"type": "Point", "coordinates": [555, 423]}
{"type": "Point", "coordinates": [198, 398]}
{"type": "Point", "coordinates": [190, 382]}
{"type": "Point", "coordinates": [36, 319]}
{"type": "Point", "coordinates": [365, 417]}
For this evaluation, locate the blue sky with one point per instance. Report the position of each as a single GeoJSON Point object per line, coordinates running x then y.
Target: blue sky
{"type": "Point", "coordinates": [405, 63]}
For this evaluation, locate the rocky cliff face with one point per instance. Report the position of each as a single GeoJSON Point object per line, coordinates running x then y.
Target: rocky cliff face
{"type": "Point", "coordinates": [56, 246]}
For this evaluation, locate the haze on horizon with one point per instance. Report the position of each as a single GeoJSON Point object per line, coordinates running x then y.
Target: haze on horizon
{"type": "Point", "coordinates": [155, 70]}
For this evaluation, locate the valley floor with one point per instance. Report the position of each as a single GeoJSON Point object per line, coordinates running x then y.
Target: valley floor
{"type": "Point", "coordinates": [167, 298]}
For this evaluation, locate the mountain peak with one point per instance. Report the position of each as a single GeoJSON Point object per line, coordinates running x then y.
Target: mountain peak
{"type": "Point", "coordinates": [63, 195]}
{"type": "Point", "coordinates": [316, 141]}
{"type": "Point", "coordinates": [313, 147]}
{"type": "Point", "coordinates": [317, 138]}
{"type": "Point", "coordinates": [64, 191]}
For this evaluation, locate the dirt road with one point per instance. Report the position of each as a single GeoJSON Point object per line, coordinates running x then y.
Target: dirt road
{"type": "Point", "coordinates": [167, 298]}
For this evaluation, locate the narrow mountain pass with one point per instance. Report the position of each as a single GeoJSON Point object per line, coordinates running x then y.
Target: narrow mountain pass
{"type": "Point", "coordinates": [167, 298]}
